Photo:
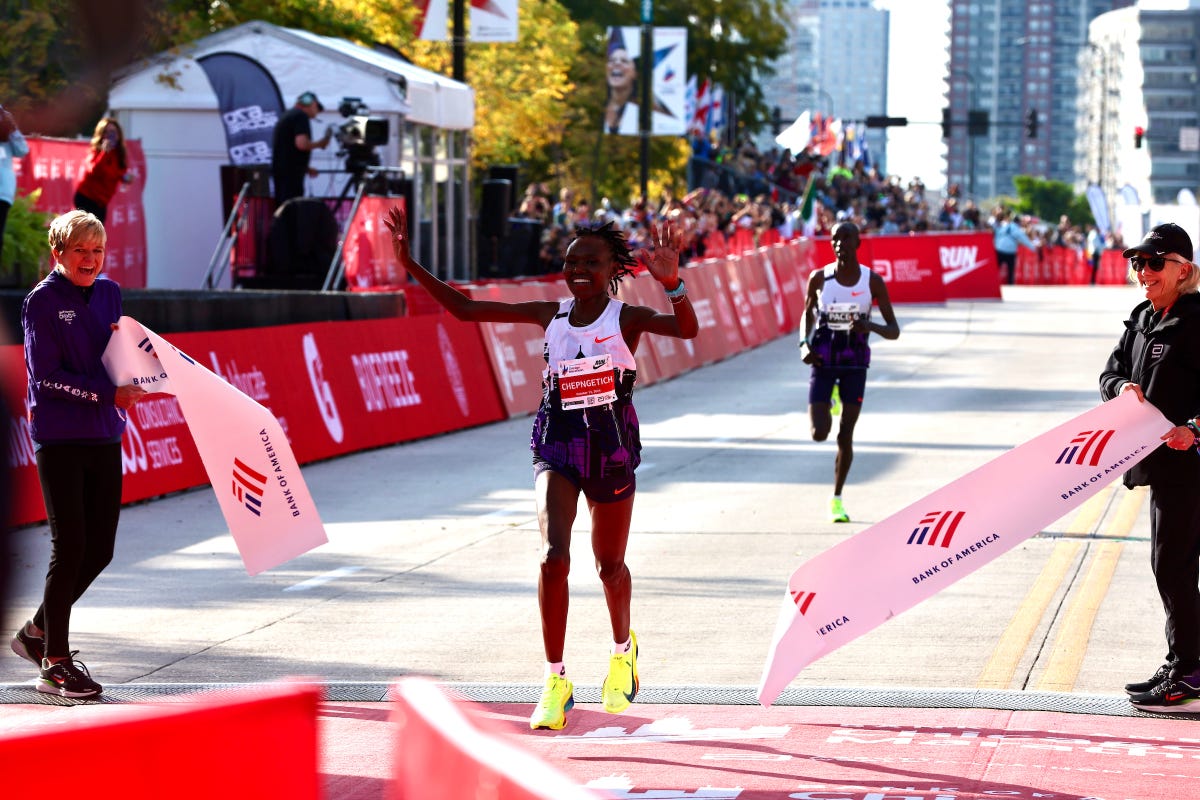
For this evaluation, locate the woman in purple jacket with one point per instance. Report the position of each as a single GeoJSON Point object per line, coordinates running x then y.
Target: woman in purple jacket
{"type": "Point", "coordinates": [76, 419]}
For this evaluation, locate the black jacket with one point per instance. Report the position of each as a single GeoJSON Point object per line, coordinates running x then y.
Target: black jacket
{"type": "Point", "coordinates": [1161, 353]}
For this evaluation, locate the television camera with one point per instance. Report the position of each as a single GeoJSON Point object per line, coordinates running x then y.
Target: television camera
{"type": "Point", "coordinates": [359, 135]}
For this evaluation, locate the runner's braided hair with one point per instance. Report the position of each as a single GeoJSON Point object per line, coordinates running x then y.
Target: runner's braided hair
{"type": "Point", "coordinates": [617, 245]}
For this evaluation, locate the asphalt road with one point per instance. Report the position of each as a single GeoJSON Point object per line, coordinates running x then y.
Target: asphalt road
{"type": "Point", "coordinates": [432, 560]}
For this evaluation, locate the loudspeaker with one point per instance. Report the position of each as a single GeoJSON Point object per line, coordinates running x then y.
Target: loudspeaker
{"type": "Point", "coordinates": [511, 174]}
{"type": "Point", "coordinates": [494, 208]}
{"type": "Point", "coordinates": [519, 252]}
{"type": "Point", "coordinates": [304, 237]}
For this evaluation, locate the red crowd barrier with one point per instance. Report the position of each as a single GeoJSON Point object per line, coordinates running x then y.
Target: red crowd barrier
{"type": "Point", "coordinates": [1049, 266]}
{"type": "Point", "coordinates": [336, 387]}
{"type": "Point", "coordinates": [445, 751]}
{"type": "Point", "coordinates": [262, 743]}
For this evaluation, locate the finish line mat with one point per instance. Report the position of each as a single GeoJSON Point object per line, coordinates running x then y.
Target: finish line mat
{"type": "Point", "coordinates": [830, 753]}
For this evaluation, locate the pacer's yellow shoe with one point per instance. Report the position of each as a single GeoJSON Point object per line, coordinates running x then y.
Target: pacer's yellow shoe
{"type": "Point", "coordinates": [557, 699]}
{"type": "Point", "coordinates": [621, 685]}
{"type": "Point", "coordinates": [837, 511]}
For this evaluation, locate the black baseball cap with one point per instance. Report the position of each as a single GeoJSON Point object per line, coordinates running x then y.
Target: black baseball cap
{"type": "Point", "coordinates": [1162, 239]}
{"type": "Point", "coordinates": [308, 98]}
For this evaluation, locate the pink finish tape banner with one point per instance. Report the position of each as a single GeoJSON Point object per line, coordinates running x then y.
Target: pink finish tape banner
{"type": "Point", "coordinates": [245, 452]}
{"type": "Point", "coordinates": [891, 566]}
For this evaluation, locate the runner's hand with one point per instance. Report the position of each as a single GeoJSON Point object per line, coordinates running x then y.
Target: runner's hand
{"type": "Point", "coordinates": [397, 222]}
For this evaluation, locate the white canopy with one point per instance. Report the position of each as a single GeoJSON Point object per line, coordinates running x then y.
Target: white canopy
{"type": "Point", "coordinates": [300, 62]}
{"type": "Point", "coordinates": [168, 103]}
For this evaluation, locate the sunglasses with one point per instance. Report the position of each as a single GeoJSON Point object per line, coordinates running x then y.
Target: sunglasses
{"type": "Point", "coordinates": [1154, 263]}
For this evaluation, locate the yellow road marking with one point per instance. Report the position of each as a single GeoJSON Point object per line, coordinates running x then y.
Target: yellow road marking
{"type": "Point", "coordinates": [1070, 645]}
{"type": "Point", "coordinates": [1127, 512]}
{"type": "Point", "coordinates": [1088, 518]}
{"type": "Point", "coordinates": [1013, 642]}
{"type": "Point", "coordinates": [1075, 630]}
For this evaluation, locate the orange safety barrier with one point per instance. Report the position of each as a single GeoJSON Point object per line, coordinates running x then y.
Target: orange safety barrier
{"type": "Point", "coordinates": [443, 750]}
{"type": "Point", "coordinates": [257, 743]}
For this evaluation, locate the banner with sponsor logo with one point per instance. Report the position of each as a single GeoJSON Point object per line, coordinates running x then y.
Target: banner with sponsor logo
{"type": "Point", "coordinates": [245, 452]}
{"type": "Point", "coordinates": [56, 165]}
{"type": "Point", "coordinates": [250, 105]}
{"type": "Point", "coordinates": [891, 566]}
{"type": "Point", "coordinates": [927, 268]}
{"type": "Point", "coordinates": [666, 68]}
{"type": "Point", "coordinates": [491, 20]}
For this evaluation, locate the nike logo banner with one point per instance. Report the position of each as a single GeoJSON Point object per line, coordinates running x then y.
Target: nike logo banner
{"type": "Point", "coordinates": [245, 452]}
{"type": "Point", "coordinates": [891, 566]}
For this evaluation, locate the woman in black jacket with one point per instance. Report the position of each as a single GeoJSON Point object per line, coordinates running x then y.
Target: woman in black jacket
{"type": "Point", "coordinates": [1158, 357]}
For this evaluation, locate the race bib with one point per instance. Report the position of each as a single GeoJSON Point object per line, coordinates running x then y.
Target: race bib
{"type": "Point", "coordinates": [841, 316]}
{"type": "Point", "coordinates": [586, 382]}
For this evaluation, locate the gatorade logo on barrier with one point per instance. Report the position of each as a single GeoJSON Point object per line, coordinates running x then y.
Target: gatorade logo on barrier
{"type": "Point", "coordinates": [1084, 444]}
{"type": "Point", "coordinates": [248, 487]}
{"type": "Point", "coordinates": [938, 526]}
{"type": "Point", "coordinates": [322, 391]}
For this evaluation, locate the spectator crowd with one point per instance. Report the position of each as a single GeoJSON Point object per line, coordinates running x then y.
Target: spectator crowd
{"type": "Point", "coordinates": [746, 198]}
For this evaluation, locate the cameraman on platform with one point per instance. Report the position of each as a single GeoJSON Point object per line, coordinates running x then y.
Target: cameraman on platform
{"type": "Point", "coordinates": [292, 147]}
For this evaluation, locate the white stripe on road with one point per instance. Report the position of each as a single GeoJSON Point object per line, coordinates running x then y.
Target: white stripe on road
{"type": "Point", "coordinates": [322, 579]}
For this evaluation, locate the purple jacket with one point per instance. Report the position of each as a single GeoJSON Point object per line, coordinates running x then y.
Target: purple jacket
{"type": "Point", "coordinates": [71, 399]}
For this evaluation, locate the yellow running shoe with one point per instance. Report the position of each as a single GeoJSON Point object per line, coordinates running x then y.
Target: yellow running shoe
{"type": "Point", "coordinates": [557, 699]}
{"type": "Point", "coordinates": [835, 402]}
{"type": "Point", "coordinates": [621, 685]}
{"type": "Point", "coordinates": [837, 511]}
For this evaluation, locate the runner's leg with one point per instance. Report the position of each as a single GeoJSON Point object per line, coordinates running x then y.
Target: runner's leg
{"type": "Point", "coordinates": [610, 536]}
{"type": "Point", "coordinates": [845, 446]}
{"type": "Point", "coordinates": [557, 502]}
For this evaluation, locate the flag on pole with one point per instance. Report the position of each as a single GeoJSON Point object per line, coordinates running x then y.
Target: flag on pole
{"type": "Point", "coordinates": [859, 584]}
{"type": "Point", "coordinates": [245, 452]}
{"type": "Point", "coordinates": [808, 207]}
{"type": "Point", "coordinates": [795, 137]}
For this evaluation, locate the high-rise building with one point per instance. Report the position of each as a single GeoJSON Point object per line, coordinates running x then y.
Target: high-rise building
{"type": "Point", "coordinates": [836, 63]}
{"type": "Point", "coordinates": [1010, 59]}
{"type": "Point", "coordinates": [1139, 114]}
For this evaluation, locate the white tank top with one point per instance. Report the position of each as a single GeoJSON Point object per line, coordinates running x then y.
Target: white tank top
{"type": "Point", "coordinates": [838, 306]}
{"type": "Point", "coordinates": [565, 341]}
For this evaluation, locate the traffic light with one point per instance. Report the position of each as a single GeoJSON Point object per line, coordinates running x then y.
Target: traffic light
{"type": "Point", "coordinates": [1139, 133]}
{"type": "Point", "coordinates": [1031, 123]}
{"type": "Point", "coordinates": [977, 123]}
{"type": "Point", "coordinates": [946, 122]}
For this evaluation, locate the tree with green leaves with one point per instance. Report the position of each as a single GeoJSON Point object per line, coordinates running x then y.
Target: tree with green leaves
{"type": "Point", "coordinates": [1049, 200]}
{"type": "Point", "coordinates": [538, 101]}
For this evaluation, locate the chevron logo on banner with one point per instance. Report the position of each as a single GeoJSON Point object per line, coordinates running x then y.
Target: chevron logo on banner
{"type": "Point", "coordinates": [936, 524]}
{"type": "Point", "coordinates": [248, 487]}
{"type": "Point", "coordinates": [1084, 444]}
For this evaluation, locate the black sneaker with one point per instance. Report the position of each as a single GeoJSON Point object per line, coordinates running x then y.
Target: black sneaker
{"type": "Point", "coordinates": [1172, 696]}
{"type": "Point", "coordinates": [28, 647]}
{"type": "Point", "coordinates": [68, 678]}
{"type": "Point", "coordinates": [1142, 687]}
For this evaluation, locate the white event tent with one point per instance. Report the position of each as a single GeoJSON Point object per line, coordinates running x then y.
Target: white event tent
{"type": "Point", "coordinates": [168, 103]}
